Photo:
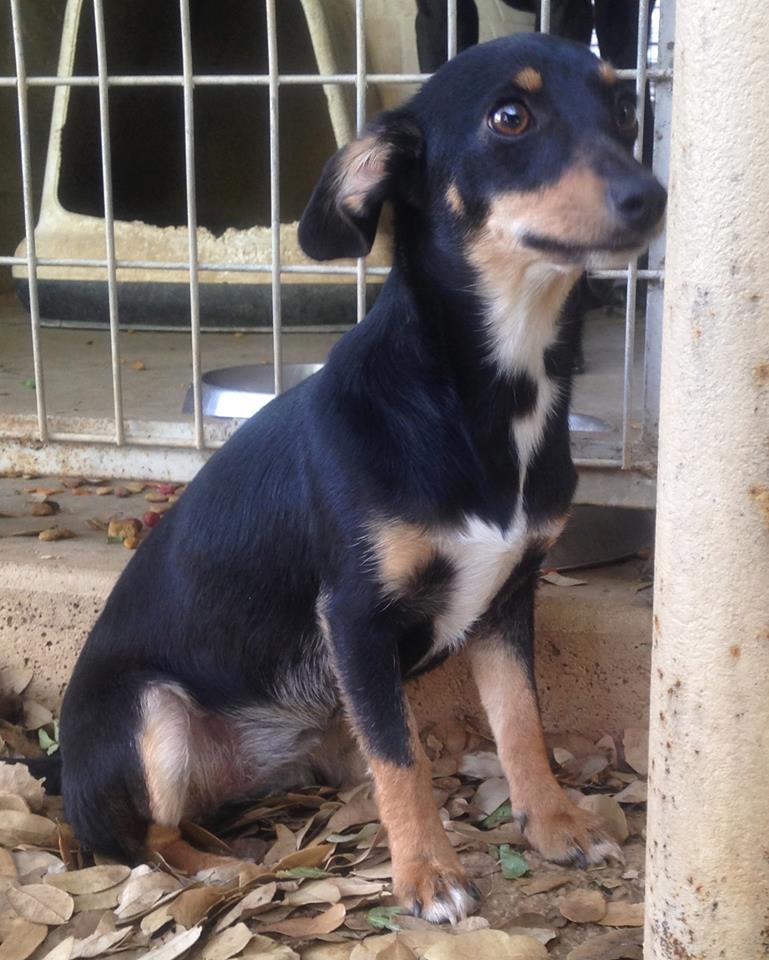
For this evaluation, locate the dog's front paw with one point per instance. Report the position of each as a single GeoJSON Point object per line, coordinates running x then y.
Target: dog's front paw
{"type": "Point", "coordinates": [436, 892]}
{"type": "Point", "coordinates": [563, 833]}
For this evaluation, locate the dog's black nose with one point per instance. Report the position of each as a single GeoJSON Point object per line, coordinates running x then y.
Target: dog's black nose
{"type": "Point", "coordinates": [638, 201]}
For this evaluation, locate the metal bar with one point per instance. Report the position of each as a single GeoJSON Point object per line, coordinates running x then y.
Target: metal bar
{"type": "Point", "coordinates": [274, 88]}
{"type": "Point", "coordinates": [360, 120]}
{"type": "Point", "coordinates": [627, 377]}
{"type": "Point", "coordinates": [632, 274]}
{"type": "Point", "coordinates": [192, 220]}
{"type": "Point", "coordinates": [138, 441]}
{"type": "Point", "coordinates": [544, 16]}
{"type": "Point", "coordinates": [223, 267]}
{"type": "Point", "coordinates": [29, 218]}
{"type": "Point", "coordinates": [451, 24]}
{"type": "Point", "coordinates": [263, 80]}
{"type": "Point", "coordinates": [109, 219]}
{"type": "Point", "coordinates": [663, 103]}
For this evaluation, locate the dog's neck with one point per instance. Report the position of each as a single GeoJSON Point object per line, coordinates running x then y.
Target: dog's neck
{"type": "Point", "coordinates": [496, 322]}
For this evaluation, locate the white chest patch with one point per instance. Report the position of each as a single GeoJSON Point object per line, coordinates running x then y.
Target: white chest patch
{"type": "Point", "coordinates": [483, 557]}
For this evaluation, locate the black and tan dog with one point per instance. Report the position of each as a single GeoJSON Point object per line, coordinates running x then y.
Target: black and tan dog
{"type": "Point", "coordinates": [390, 510]}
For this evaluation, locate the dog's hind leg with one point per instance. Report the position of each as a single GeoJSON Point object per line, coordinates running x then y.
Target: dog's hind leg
{"type": "Point", "coordinates": [133, 767]}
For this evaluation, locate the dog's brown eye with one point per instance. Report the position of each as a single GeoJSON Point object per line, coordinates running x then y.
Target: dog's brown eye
{"type": "Point", "coordinates": [626, 116]}
{"type": "Point", "coordinates": [511, 119]}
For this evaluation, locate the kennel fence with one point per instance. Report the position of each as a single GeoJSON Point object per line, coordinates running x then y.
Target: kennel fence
{"type": "Point", "coordinates": [614, 469]}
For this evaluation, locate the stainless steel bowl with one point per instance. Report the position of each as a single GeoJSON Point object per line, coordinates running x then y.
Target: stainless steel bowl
{"type": "Point", "coordinates": [241, 391]}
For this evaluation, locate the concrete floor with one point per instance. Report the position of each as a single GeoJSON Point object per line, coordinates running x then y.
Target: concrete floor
{"type": "Point", "coordinates": [78, 383]}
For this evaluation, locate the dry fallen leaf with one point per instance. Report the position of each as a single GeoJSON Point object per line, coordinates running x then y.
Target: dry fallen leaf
{"type": "Point", "coordinates": [636, 745]}
{"type": "Point", "coordinates": [397, 951]}
{"type": "Point", "coordinates": [175, 946]}
{"type": "Point", "coordinates": [542, 935]}
{"type": "Point", "coordinates": [103, 900]}
{"type": "Point", "coordinates": [99, 943]}
{"type": "Point", "coordinates": [192, 906]}
{"type": "Point", "coordinates": [20, 828]}
{"type": "Point", "coordinates": [62, 951]}
{"type": "Point", "coordinates": [7, 866]}
{"type": "Point", "coordinates": [156, 920]}
{"type": "Point", "coordinates": [22, 939]}
{"type": "Point", "coordinates": [36, 715]}
{"type": "Point", "coordinates": [609, 747]}
{"type": "Point", "coordinates": [317, 891]}
{"type": "Point", "coordinates": [480, 764]}
{"type": "Point", "coordinates": [9, 801]}
{"type": "Point", "coordinates": [418, 941]}
{"type": "Point", "coordinates": [362, 808]}
{"type": "Point", "coordinates": [16, 778]}
{"type": "Point", "coordinates": [634, 792]}
{"type": "Point", "coordinates": [622, 913]}
{"type": "Point", "coordinates": [559, 580]}
{"type": "Point", "coordinates": [354, 887]}
{"type": "Point", "coordinates": [33, 866]}
{"type": "Point", "coordinates": [301, 927]}
{"type": "Point", "coordinates": [583, 770]}
{"type": "Point", "coordinates": [543, 883]}
{"type": "Point", "coordinates": [491, 794]}
{"type": "Point", "coordinates": [142, 892]}
{"type": "Point", "coordinates": [379, 871]}
{"type": "Point", "coordinates": [56, 533]}
{"type": "Point", "coordinates": [224, 945]}
{"type": "Point", "coordinates": [583, 906]}
{"type": "Point", "coordinates": [41, 903]}
{"type": "Point", "coordinates": [284, 845]}
{"type": "Point", "coordinates": [263, 948]}
{"type": "Point", "coordinates": [610, 812]}
{"type": "Point", "coordinates": [486, 944]}
{"type": "Point", "coordinates": [309, 857]}
{"type": "Point", "coordinates": [15, 679]}
{"type": "Point", "coordinates": [253, 903]}
{"type": "Point", "coordinates": [618, 945]}
{"type": "Point", "coordinates": [91, 879]}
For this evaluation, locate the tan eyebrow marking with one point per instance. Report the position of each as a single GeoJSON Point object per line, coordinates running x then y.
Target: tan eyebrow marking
{"type": "Point", "coordinates": [454, 200]}
{"type": "Point", "coordinates": [607, 72]}
{"type": "Point", "coordinates": [528, 79]}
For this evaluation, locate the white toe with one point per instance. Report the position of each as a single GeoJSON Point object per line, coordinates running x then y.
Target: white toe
{"type": "Point", "coordinates": [450, 907]}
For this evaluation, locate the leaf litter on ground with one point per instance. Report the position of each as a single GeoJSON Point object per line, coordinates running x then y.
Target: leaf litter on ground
{"type": "Point", "coordinates": [322, 880]}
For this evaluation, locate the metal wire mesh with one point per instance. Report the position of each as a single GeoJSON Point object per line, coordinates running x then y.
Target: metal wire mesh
{"type": "Point", "coordinates": [199, 436]}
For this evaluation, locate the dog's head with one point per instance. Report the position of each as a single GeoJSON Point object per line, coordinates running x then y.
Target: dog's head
{"type": "Point", "coordinates": [522, 145]}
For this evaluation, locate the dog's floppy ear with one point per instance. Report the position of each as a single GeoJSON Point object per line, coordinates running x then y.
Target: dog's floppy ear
{"type": "Point", "coordinates": [341, 218]}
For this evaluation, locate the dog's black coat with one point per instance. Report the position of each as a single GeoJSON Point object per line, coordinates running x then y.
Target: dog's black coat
{"type": "Point", "coordinates": [409, 419]}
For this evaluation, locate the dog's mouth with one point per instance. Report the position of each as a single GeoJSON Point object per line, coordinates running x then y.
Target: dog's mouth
{"type": "Point", "coordinates": [614, 250]}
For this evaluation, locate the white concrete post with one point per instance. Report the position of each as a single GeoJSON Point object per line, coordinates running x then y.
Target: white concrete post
{"type": "Point", "coordinates": [708, 835]}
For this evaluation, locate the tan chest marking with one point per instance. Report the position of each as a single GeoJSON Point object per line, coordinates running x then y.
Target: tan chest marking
{"type": "Point", "coordinates": [481, 555]}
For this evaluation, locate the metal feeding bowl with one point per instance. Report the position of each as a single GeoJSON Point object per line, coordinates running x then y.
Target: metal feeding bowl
{"type": "Point", "coordinates": [241, 391]}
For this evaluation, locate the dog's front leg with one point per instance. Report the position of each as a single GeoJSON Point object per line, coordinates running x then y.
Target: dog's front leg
{"type": "Point", "coordinates": [427, 875]}
{"type": "Point", "coordinates": [501, 658]}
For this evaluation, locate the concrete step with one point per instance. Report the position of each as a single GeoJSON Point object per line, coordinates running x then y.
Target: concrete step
{"type": "Point", "coordinates": [593, 641]}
